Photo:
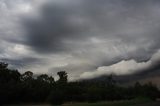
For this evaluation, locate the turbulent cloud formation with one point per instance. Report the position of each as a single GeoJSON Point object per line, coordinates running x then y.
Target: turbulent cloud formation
{"type": "Point", "coordinates": [87, 38]}
{"type": "Point", "coordinates": [60, 25]}
{"type": "Point", "coordinates": [124, 67]}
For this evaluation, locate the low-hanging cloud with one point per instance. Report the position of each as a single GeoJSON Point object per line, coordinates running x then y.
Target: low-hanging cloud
{"type": "Point", "coordinates": [124, 67]}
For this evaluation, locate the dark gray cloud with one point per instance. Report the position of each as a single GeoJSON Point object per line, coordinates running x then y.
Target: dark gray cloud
{"type": "Point", "coordinates": [23, 62]}
{"type": "Point", "coordinates": [79, 35]}
{"type": "Point", "coordinates": [53, 29]}
{"type": "Point", "coordinates": [59, 24]}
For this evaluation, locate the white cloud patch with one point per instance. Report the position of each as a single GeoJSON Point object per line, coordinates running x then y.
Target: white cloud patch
{"type": "Point", "coordinates": [124, 67]}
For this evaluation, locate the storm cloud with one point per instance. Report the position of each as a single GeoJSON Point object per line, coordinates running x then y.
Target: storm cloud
{"type": "Point", "coordinates": [87, 38]}
{"type": "Point", "coordinates": [124, 68]}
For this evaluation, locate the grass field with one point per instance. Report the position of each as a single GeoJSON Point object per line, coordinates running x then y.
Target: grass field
{"type": "Point", "coordinates": [134, 102]}
{"type": "Point", "coordinates": [117, 104]}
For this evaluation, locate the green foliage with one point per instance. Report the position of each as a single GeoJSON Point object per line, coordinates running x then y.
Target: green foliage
{"type": "Point", "coordinates": [24, 88]}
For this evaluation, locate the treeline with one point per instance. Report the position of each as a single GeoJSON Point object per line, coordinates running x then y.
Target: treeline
{"type": "Point", "coordinates": [25, 88]}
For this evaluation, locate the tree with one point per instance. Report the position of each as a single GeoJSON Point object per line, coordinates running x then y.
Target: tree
{"type": "Point", "coordinates": [17, 88]}
{"type": "Point", "coordinates": [46, 78]}
{"type": "Point", "coordinates": [28, 75]}
{"type": "Point", "coordinates": [4, 72]}
{"type": "Point", "coordinates": [62, 76]}
{"type": "Point", "coordinates": [15, 75]}
{"type": "Point", "coordinates": [110, 81]}
{"type": "Point", "coordinates": [3, 65]}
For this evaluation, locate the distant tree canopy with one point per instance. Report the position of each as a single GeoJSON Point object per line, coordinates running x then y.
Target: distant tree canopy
{"type": "Point", "coordinates": [24, 88]}
{"type": "Point", "coordinates": [3, 66]}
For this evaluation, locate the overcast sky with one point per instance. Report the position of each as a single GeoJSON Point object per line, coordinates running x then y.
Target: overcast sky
{"type": "Point", "coordinates": [86, 38]}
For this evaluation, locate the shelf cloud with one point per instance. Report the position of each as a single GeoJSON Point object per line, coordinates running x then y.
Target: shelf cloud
{"type": "Point", "coordinates": [123, 67]}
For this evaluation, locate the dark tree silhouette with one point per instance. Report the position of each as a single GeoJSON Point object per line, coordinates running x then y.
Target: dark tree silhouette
{"type": "Point", "coordinates": [46, 78]}
{"type": "Point", "coordinates": [28, 75]}
{"type": "Point", "coordinates": [24, 88]}
{"type": "Point", "coordinates": [110, 81]}
{"type": "Point", "coordinates": [3, 65]}
{"type": "Point", "coordinates": [62, 77]}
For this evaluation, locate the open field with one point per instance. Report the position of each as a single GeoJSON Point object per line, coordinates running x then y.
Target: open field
{"type": "Point", "coordinates": [101, 104]}
{"type": "Point", "coordinates": [144, 102]}
{"type": "Point", "coordinates": [135, 102]}
{"type": "Point", "coordinates": [117, 104]}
